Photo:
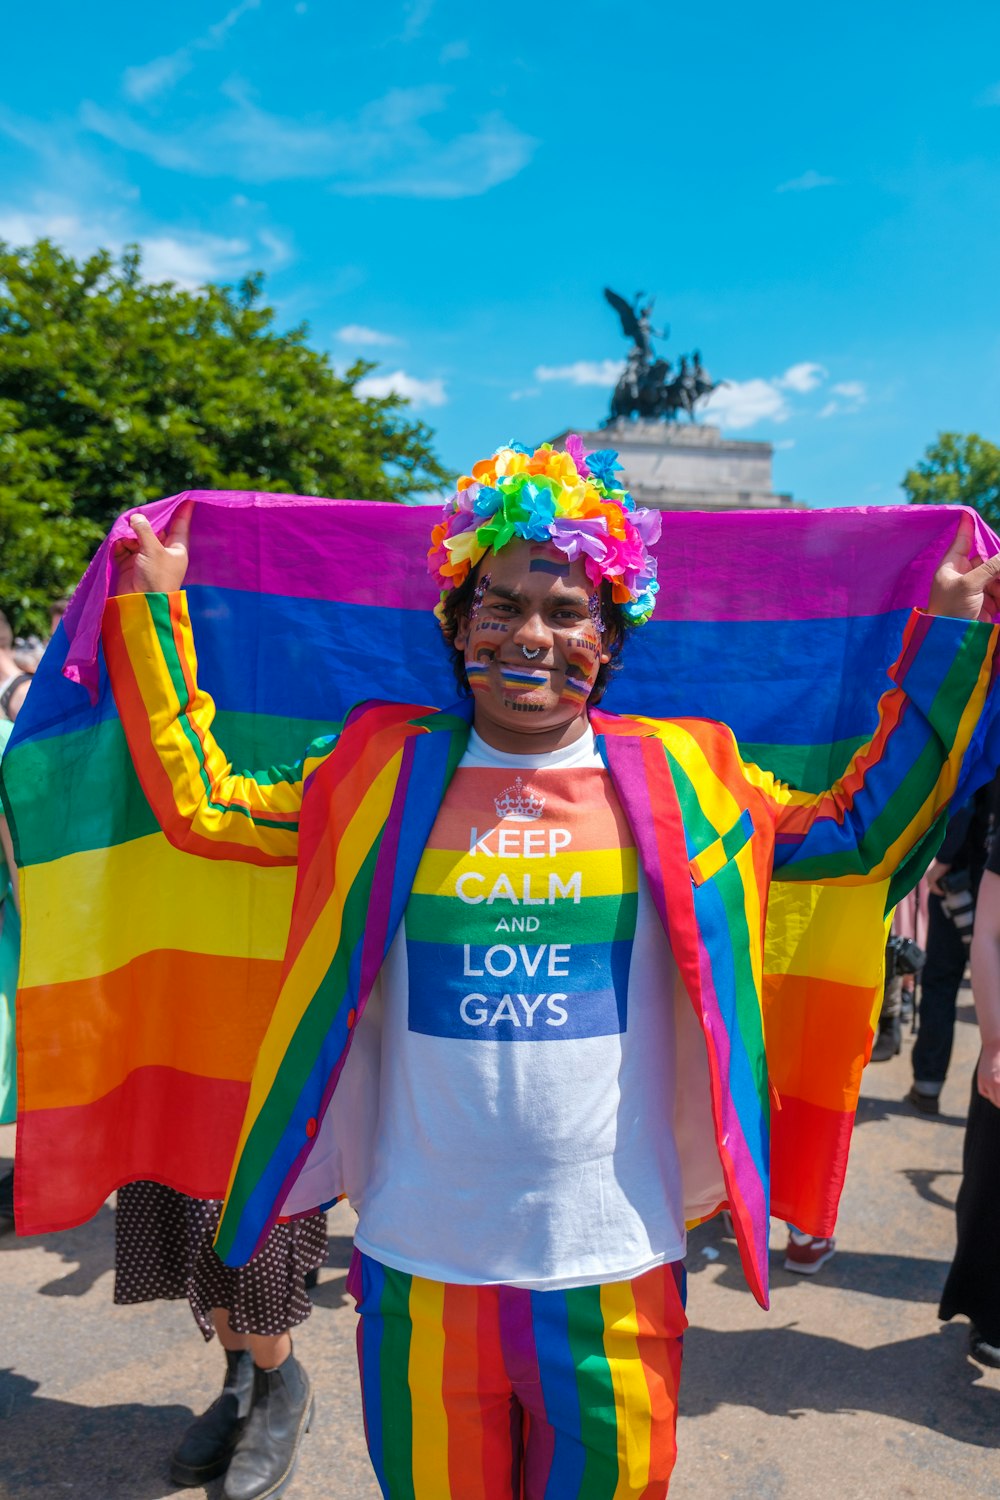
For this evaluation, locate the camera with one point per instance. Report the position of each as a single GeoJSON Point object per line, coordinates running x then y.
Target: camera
{"type": "Point", "coordinates": [959, 901]}
{"type": "Point", "coordinates": [904, 956]}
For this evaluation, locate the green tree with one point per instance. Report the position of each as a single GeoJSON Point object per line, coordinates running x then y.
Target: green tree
{"type": "Point", "coordinates": [958, 469]}
{"type": "Point", "coordinates": [115, 391]}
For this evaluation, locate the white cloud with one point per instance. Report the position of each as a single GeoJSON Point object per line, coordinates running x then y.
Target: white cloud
{"type": "Point", "coordinates": [527, 394]}
{"type": "Point", "coordinates": [386, 149]}
{"type": "Point", "coordinates": [278, 248]}
{"type": "Point", "coordinates": [801, 378]}
{"type": "Point", "coordinates": [453, 52]}
{"type": "Point", "coordinates": [149, 79]}
{"type": "Point", "coordinates": [464, 167]}
{"type": "Point", "coordinates": [416, 13]}
{"type": "Point", "coordinates": [357, 333]}
{"type": "Point", "coordinates": [189, 258]}
{"type": "Point", "coordinates": [854, 390]}
{"type": "Point", "coordinates": [152, 78]}
{"type": "Point", "coordinates": [783, 445]}
{"type": "Point", "coordinates": [806, 183]}
{"type": "Point", "coordinates": [852, 393]}
{"type": "Point", "coordinates": [399, 383]}
{"type": "Point", "coordinates": [194, 259]}
{"type": "Point", "coordinates": [78, 204]}
{"type": "Point", "coordinates": [583, 372]}
{"type": "Point", "coordinates": [743, 403]}
{"type": "Point", "coordinates": [737, 404]}
{"type": "Point", "coordinates": [65, 165]}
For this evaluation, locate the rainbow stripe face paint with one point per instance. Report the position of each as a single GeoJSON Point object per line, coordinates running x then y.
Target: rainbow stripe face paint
{"type": "Point", "coordinates": [583, 662]}
{"type": "Point", "coordinates": [521, 679]}
{"type": "Point", "coordinates": [576, 691]}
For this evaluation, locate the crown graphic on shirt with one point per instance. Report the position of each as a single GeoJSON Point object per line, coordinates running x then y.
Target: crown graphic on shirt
{"type": "Point", "coordinates": [519, 801]}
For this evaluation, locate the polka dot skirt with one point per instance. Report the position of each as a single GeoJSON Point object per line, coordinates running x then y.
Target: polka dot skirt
{"type": "Point", "coordinates": [163, 1249]}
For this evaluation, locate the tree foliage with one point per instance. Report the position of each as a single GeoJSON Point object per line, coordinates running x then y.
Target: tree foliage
{"type": "Point", "coordinates": [115, 391]}
{"type": "Point", "coordinates": [958, 469]}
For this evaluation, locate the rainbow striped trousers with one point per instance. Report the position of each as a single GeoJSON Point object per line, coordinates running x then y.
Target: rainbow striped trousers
{"type": "Point", "coordinates": [497, 1393]}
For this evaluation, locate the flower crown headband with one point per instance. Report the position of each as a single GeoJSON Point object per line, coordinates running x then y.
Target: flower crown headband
{"type": "Point", "coordinates": [569, 500]}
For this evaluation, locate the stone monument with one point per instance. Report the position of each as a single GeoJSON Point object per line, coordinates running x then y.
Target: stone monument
{"type": "Point", "coordinates": [667, 464]}
{"type": "Point", "coordinates": [675, 466]}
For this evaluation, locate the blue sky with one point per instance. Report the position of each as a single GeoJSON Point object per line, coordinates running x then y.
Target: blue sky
{"type": "Point", "coordinates": [813, 193]}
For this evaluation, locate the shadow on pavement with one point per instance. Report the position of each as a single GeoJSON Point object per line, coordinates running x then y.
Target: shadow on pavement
{"type": "Point", "coordinates": [51, 1448]}
{"type": "Point", "coordinates": [904, 1278]}
{"type": "Point", "coordinates": [926, 1382]}
{"type": "Point", "coordinates": [332, 1291]}
{"type": "Point", "coordinates": [922, 1180]}
{"type": "Point", "coordinates": [89, 1249]}
{"type": "Point", "coordinates": [872, 1110]}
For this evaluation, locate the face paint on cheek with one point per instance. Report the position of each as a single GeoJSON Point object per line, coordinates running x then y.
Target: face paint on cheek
{"type": "Point", "coordinates": [485, 634]}
{"type": "Point", "coordinates": [583, 651]}
{"type": "Point", "coordinates": [477, 666]}
{"type": "Point", "coordinates": [485, 639]}
{"type": "Point", "coordinates": [583, 662]}
{"type": "Point", "coordinates": [576, 691]}
{"type": "Point", "coordinates": [521, 679]}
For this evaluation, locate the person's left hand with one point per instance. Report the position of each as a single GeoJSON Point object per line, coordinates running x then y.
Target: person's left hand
{"type": "Point", "coordinates": [963, 589]}
{"type": "Point", "coordinates": [988, 1073]}
{"type": "Point", "coordinates": [934, 876]}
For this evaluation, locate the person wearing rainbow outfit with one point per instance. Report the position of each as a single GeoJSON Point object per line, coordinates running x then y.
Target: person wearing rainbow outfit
{"type": "Point", "coordinates": [520, 1016]}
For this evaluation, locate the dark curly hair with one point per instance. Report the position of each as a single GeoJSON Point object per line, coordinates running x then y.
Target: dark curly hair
{"type": "Point", "coordinates": [617, 628]}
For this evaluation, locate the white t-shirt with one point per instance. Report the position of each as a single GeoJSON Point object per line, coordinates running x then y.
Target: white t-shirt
{"type": "Point", "coordinates": [527, 1072]}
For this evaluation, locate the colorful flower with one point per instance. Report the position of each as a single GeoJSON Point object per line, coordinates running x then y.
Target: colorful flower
{"type": "Point", "coordinates": [572, 500]}
{"type": "Point", "coordinates": [603, 465]}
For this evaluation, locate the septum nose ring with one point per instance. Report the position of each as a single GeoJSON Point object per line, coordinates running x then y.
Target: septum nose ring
{"type": "Point", "coordinates": [530, 655]}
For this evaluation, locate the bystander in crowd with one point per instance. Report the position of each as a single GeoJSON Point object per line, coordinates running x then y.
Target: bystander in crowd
{"type": "Point", "coordinates": [952, 883]}
{"type": "Point", "coordinates": [973, 1285]}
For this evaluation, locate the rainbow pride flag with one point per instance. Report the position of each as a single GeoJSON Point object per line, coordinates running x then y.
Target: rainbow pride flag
{"type": "Point", "coordinates": [148, 974]}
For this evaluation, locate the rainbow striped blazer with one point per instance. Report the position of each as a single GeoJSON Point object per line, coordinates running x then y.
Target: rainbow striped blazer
{"type": "Point", "coordinates": [712, 832]}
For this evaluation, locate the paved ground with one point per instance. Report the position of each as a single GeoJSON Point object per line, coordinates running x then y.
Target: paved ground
{"type": "Point", "coordinates": [849, 1387]}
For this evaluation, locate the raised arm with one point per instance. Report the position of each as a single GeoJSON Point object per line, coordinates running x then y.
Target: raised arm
{"type": "Point", "coordinates": [898, 785]}
{"type": "Point", "coordinates": [201, 804]}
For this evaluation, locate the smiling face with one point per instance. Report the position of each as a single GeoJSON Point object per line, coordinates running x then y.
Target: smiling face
{"type": "Point", "coordinates": [532, 649]}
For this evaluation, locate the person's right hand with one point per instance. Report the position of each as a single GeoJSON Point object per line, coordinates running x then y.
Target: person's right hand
{"type": "Point", "coordinates": [148, 562]}
{"type": "Point", "coordinates": [988, 1073]}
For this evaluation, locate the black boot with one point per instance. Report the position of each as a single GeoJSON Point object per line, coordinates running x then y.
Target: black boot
{"type": "Point", "coordinates": [208, 1444]}
{"type": "Point", "coordinates": [888, 1041]}
{"type": "Point", "coordinates": [981, 1349]}
{"type": "Point", "coordinates": [265, 1456]}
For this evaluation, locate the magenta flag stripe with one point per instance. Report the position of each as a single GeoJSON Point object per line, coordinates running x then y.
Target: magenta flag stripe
{"type": "Point", "coordinates": [742, 565]}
